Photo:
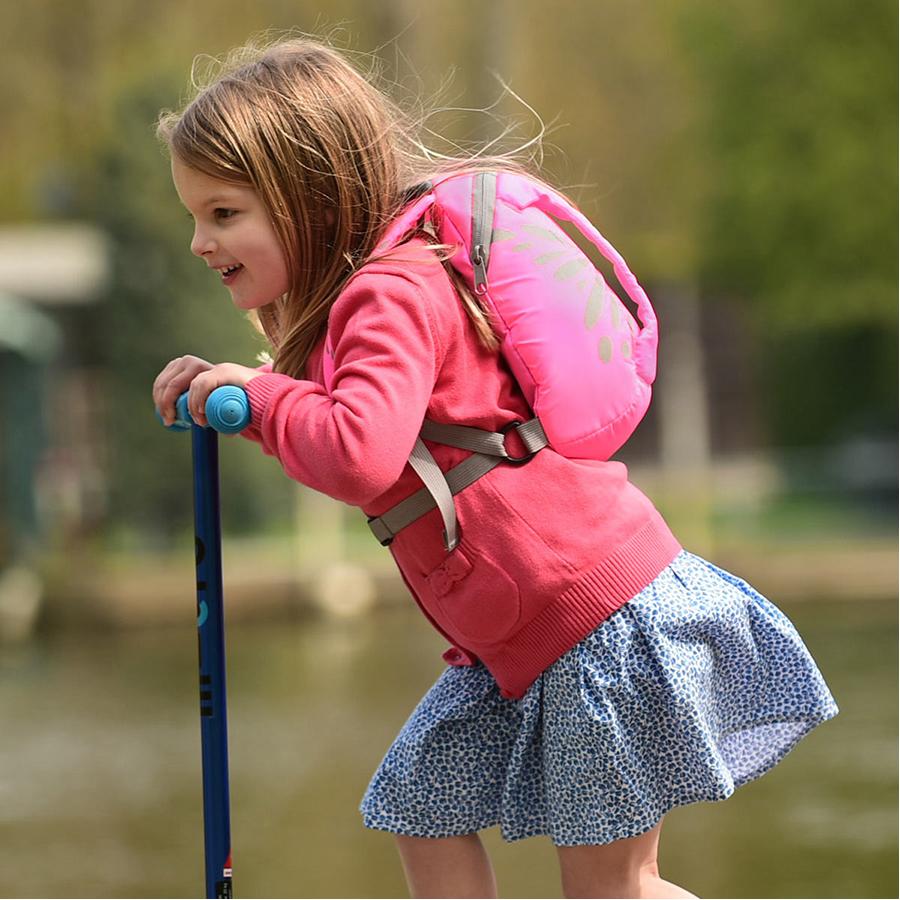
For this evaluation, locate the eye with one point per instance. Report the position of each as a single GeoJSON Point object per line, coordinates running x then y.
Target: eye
{"type": "Point", "coordinates": [221, 212]}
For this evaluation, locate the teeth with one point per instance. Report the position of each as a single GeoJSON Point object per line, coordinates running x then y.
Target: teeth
{"type": "Point", "coordinates": [229, 269]}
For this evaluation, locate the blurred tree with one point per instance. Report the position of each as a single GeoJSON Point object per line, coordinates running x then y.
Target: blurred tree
{"type": "Point", "coordinates": [623, 111]}
{"type": "Point", "coordinates": [801, 113]}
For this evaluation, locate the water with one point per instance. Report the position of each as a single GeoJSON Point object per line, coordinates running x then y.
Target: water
{"type": "Point", "coordinates": [100, 768]}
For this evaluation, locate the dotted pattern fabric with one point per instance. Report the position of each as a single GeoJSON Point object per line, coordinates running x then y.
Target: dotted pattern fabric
{"type": "Point", "coordinates": [694, 687]}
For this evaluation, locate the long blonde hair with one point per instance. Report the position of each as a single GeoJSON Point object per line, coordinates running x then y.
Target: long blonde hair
{"type": "Point", "coordinates": [296, 121]}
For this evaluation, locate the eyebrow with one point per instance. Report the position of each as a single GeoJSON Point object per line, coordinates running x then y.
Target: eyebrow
{"type": "Point", "coordinates": [213, 200]}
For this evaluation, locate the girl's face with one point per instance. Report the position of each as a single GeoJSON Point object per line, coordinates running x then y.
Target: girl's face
{"type": "Point", "coordinates": [233, 233]}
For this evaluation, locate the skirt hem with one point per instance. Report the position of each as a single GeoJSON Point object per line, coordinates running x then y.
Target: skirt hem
{"type": "Point", "coordinates": [634, 829]}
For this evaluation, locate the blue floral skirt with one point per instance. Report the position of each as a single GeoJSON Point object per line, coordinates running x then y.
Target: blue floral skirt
{"type": "Point", "coordinates": [694, 687]}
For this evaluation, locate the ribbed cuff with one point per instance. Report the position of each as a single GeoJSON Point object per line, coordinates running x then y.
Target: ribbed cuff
{"type": "Point", "coordinates": [259, 392]}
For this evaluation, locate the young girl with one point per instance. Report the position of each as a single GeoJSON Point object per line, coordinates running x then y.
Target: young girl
{"type": "Point", "coordinates": [600, 674]}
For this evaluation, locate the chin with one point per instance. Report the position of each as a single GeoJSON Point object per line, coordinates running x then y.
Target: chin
{"type": "Point", "coordinates": [249, 303]}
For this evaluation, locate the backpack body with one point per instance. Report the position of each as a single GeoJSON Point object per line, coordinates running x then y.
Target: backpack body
{"type": "Point", "coordinates": [584, 364]}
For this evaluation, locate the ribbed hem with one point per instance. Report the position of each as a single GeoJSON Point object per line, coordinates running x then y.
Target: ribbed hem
{"type": "Point", "coordinates": [580, 609]}
{"type": "Point", "coordinates": [259, 392]}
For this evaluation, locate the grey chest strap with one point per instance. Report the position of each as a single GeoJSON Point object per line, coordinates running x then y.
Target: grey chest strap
{"type": "Point", "coordinates": [489, 451]}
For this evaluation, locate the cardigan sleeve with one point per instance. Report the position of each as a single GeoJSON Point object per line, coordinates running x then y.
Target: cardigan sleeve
{"type": "Point", "coordinates": [353, 442]}
{"type": "Point", "coordinates": [251, 432]}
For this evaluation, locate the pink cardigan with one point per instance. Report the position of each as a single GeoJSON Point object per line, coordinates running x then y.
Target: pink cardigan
{"type": "Point", "coordinates": [548, 550]}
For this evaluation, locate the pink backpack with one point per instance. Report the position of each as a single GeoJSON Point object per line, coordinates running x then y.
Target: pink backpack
{"type": "Point", "coordinates": [582, 361]}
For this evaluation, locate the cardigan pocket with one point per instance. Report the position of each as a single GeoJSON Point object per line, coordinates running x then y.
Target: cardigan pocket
{"type": "Point", "coordinates": [476, 597]}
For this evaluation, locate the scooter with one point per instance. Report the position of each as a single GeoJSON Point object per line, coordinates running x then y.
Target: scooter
{"type": "Point", "coordinates": [228, 412]}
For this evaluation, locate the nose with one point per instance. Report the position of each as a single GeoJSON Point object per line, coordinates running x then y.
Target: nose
{"type": "Point", "coordinates": [201, 242]}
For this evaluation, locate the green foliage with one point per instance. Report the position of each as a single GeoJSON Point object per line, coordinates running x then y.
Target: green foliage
{"type": "Point", "coordinates": [800, 104]}
{"type": "Point", "coordinates": [800, 101]}
{"type": "Point", "coordinates": [824, 386]}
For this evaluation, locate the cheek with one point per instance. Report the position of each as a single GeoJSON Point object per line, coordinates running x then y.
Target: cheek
{"type": "Point", "coordinates": [270, 263]}
{"type": "Point", "coordinates": [278, 270]}
{"type": "Point", "coordinates": [275, 255]}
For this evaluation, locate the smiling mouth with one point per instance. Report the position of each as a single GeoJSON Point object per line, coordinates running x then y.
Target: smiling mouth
{"type": "Point", "coordinates": [229, 274]}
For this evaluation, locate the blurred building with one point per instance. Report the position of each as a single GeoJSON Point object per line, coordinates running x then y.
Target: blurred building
{"type": "Point", "coordinates": [49, 466]}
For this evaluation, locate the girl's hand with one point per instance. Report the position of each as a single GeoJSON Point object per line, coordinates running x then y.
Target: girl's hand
{"type": "Point", "coordinates": [208, 380]}
{"type": "Point", "coordinates": [173, 381]}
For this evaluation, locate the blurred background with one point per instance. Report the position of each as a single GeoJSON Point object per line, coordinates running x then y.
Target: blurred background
{"type": "Point", "coordinates": [741, 156]}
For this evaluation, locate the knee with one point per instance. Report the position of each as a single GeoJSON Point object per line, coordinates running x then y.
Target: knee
{"type": "Point", "coordinates": [446, 867]}
{"type": "Point", "coordinates": [464, 850]}
{"type": "Point", "coordinates": [601, 885]}
{"type": "Point", "coordinates": [602, 871]}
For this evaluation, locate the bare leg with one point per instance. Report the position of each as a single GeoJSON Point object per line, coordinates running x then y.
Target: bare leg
{"type": "Point", "coordinates": [447, 867]}
{"type": "Point", "coordinates": [624, 869]}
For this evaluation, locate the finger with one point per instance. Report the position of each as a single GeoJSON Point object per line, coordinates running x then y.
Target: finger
{"type": "Point", "coordinates": [163, 379]}
{"type": "Point", "coordinates": [171, 383]}
{"type": "Point", "coordinates": [180, 380]}
{"type": "Point", "coordinates": [172, 391]}
{"type": "Point", "coordinates": [163, 374]}
{"type": "Point", "coordinates": [201, 387]}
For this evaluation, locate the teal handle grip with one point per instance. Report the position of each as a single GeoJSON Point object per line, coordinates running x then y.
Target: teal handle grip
{"type": "Point", "coordinates": [227, 411]}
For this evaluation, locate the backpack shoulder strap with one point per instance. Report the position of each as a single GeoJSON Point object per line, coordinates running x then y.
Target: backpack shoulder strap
{"type": "Point", "coordinates": [407, 218]}
{"type": "Point", "coordinates": [422, 199]}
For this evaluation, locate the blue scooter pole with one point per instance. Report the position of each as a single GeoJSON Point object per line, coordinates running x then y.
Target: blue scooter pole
{"type": "Point", "coordinates": [227, 410]}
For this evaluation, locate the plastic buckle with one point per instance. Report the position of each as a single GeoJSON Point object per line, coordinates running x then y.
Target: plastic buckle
{"type": "Point", "coordinates": [447, 545]}
{"type": "Point", "coordinates": [515, 460]}
{"type": "Point", "coordinates": [378, 532]}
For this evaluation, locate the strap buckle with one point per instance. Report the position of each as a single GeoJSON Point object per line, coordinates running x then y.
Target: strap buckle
{"type": "Point", "coordinates": [382, 533]}
{"type": "Point", "coordinates": [515, 460]}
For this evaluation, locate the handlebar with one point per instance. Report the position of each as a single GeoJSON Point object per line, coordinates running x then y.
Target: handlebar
{"type": "Point", "coordinates": [227, 411]}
